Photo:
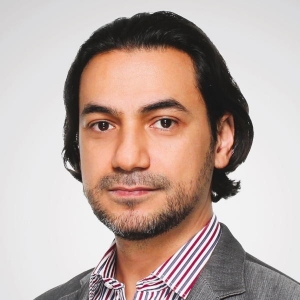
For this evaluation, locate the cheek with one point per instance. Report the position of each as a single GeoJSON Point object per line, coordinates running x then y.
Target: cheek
{"type": "Point", "coordinates": [182, 160]}
{"type": "Point", "coordinates": [94, 162]}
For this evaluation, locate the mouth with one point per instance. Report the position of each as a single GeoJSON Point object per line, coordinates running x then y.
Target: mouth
{"type": "Point", "coordinates": [136, 191]}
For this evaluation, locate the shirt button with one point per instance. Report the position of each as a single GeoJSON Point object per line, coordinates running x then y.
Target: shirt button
{"type": "Point", "coordinates": [108, 285]}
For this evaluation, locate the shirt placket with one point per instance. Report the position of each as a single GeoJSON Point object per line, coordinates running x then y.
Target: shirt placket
{"type": "Point", "coordinates": [117, 288]}
{"type": "Point", "coordinates": [149, 288]}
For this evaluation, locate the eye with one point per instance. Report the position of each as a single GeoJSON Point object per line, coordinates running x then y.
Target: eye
{"type": "Point", "coordinates": [102, 126]}
{"type": "Point", "coordinates": [164, 123]}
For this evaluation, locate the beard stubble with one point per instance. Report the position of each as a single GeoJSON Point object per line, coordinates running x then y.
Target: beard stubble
{"type": "Point", "coordinates": [181, 199]}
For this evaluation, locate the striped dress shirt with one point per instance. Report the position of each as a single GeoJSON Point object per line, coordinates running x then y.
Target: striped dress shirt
{"type": "Point", "coordinates": [173, 280]}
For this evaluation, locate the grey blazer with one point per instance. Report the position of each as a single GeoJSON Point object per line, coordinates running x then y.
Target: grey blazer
{"type": "Point", "coordinates": [230, 273]}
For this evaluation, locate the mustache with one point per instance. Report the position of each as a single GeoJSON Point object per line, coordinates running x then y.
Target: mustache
{"type": "Point", "coordinates": [154, 181]}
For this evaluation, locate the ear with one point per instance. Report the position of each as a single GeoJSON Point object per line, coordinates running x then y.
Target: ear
{"type": "Point", "coordinates": [225, 140]}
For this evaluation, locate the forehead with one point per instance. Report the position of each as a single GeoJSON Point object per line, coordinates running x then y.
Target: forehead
{"type": "Point", "coordinates": [137, 77]}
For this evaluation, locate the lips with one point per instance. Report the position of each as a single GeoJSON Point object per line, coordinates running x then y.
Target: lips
{"type": "Point", "coordinates": [136, 191]}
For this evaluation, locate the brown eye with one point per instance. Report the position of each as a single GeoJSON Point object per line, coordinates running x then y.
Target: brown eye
{"type": "Point", "coordinates": [102, 126]}
{"type": "Point", "coordinates": [164, 123]}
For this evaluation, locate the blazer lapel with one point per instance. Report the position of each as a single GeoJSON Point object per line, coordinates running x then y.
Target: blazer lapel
{"type": "Point", "coordinates": [82, 293]}
{"type": "Point", "coordinates": [223, 275]}
{"type": "Point", "coordinates": [201, 290]}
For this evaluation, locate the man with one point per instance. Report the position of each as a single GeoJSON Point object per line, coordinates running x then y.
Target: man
{"type": "Point", "coordinates": [154, 123]}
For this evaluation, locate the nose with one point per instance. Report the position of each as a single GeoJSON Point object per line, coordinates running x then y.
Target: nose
{"type": "Point", "coordinates": [131, 152]}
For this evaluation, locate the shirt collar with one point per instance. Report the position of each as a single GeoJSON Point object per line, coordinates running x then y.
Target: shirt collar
{"type": "Point", "coordinates": [179, 272]}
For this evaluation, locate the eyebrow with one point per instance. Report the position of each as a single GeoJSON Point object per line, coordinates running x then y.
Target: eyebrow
{"type": "Point", "coordinates": [96, 108]}
{"type": "Point", "coordinates": [168, 103]}
{"type": "Point", "coordinates": [162, 104]}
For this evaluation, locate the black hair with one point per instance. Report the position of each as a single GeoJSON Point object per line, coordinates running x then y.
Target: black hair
{"type": "Point", "coordinates": [219, 90]}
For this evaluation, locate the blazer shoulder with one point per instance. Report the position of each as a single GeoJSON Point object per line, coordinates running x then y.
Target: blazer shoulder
{"type": "Point", "coordinates": [263, 280]}
{"type": "Point", "coordinates": [253, 260]}
{"type": "Point", "coordinates": [231, 273]}
{"type": "Point", "coordinates": [71, 286]}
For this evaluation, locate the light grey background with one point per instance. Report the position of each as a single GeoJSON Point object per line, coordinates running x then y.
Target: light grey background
{"type": "Point", "coordinates": [48, 232]}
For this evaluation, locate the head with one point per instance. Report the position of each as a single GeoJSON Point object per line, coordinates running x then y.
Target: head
{"type": "Point", "coordinates": [164, 33]}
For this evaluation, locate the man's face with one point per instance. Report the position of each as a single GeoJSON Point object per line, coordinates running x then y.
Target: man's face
{"type": "Point", "coordinates": [145, 142]}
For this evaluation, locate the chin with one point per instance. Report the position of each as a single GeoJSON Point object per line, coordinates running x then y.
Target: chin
{"type": "Point", "coordinates": [133, 225]}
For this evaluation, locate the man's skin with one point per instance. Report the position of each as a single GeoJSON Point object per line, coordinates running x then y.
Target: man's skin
{"type": "Point", "coordinates": [124, 130]}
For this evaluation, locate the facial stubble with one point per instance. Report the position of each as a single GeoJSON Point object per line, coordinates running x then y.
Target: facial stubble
{"type": "Point", "coordinates": [181, 199]}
